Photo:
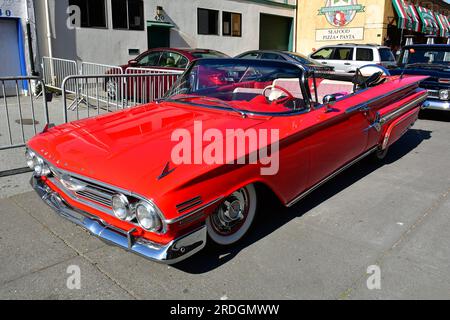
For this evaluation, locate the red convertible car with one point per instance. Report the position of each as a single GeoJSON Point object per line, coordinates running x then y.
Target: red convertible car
{"type": "Point", "coordinates": [138, 178]}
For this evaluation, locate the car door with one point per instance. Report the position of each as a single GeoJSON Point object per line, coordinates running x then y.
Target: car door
{"type": "Point", "coordinates": [342, 59]}
{"type": "Point", "coordinates": [149, 60]}
{"type": "Point", "coordinates": [364, 56]}
{"type": "Point", "coordinates": [337, 138]}
{"type": "Point", "coordinates": [324, 55]}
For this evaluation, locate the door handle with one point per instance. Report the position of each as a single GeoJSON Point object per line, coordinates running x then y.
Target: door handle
{"type": "Point", "coordinates": [324, 62]}
{"type": "Point", "coordinates": [348, 64]}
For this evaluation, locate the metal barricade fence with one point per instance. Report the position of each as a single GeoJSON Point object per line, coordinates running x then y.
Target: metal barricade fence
{"type": "Point", "coordinates": [55, 70]}
{"type": "Point", "coordinates": [22, 117]}
{"type": "Point", "coordinates": [133, 88]}
{"type": "Point", "coordinates": [107, 90]}
{"type": "Point", "coordinates": [144, 89]}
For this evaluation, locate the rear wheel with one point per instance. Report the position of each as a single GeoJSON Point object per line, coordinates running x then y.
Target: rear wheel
{"type": "Point", "coordinates": [233, 218]}
{"type": "Point", "coordinates": [380, 154]}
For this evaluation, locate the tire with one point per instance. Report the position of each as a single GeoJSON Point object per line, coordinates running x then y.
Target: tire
{"type": "Point", "coordinates": [111, 89]}
{"type": "Point", "coordinates": [223, 226]}
{"type": "Point", "coordinates": [380, 154]}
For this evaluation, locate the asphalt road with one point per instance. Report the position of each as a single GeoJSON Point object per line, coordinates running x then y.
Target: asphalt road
{"type": "Point", "coordinates": [394, 216]}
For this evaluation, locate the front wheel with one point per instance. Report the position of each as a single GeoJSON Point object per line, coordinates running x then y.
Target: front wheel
{"type": "Point", "coordinates": [233, 217]}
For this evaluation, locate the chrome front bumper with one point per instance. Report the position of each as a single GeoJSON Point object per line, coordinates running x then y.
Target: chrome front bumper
{"type": "Point", "coordinates": [432, 104]}
{"type": "Point", "coordinates": [171, 253]}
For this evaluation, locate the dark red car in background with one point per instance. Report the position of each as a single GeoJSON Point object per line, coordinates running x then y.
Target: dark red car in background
{"type": "Point", "coordinates": [159, 60]}
{"type": "Point", "coordinates": [170, 58]}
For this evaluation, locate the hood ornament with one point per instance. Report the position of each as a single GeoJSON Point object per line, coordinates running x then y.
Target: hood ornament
{"type": "Point", "coordinates": [166, 171]}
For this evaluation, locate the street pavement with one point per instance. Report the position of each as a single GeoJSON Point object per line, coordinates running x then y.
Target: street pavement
{"type": "Point", "coordinates": [392, 216]}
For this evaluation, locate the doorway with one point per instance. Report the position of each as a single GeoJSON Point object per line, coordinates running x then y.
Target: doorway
{"type": "Point", "coordinates": [275, 32]}
{"type": "Point", "coordinates": [158, 36]}
{"type": "Point", "coordinates": [11, 64]}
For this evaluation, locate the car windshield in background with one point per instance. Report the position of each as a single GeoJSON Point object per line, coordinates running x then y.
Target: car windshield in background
{"type": "Point", "coordinates": [302, 59]}
{"type": "Point", "coordinates": [210, 54]}
{"type": "Point", "coordinates": [245, 85]}
{"type": "Point", "coordinates": [433, 56]}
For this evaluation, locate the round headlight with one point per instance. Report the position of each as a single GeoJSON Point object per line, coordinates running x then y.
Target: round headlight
{"type": "Point", "coordinates": [148, 217]}
{"type": "Point", "coordinates": [40, 167]}
{"type": "Point", "coordinates": [121, 207]}
{"type": "Point", "coordinates": [444, 94]}
{"type": "Point", "coordinates": [30, 158]}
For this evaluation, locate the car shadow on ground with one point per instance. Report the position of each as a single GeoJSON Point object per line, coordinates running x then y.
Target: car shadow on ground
{"type": "Point", "coordinates": [267, 222]}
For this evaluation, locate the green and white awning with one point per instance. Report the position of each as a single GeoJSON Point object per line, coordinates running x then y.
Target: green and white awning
{"type": "Point", "coordinates": [408, 17]}
{"type": "Point", "coordinates": [444, 25]}
{"type": "Point", "coordinates": [428, 19]}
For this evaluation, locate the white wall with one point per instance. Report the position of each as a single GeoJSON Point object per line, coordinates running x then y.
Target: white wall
{"type": "Point", "coordinates": [111, 46]}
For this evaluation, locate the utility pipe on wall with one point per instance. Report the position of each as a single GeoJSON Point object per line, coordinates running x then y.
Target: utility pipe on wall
{"type": "Point", "coordinates": [49, 38]}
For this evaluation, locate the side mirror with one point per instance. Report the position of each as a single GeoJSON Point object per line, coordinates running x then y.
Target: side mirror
{"type": "Point", "coordinates": [329, 101]}
{"type": "Point", "coordinates": [132, 63]}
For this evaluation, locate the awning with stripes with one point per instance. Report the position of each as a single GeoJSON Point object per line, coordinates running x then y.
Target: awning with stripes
{"type": "Point", "coordinates": [429, 23]}
{"type": "Point", "coordinates": [408, 18]}
{"type": "Point", "coordinates": [444, 25]}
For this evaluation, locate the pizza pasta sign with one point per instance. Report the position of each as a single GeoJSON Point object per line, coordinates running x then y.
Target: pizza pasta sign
{"type": "Point", "coordinates": [340, 13]}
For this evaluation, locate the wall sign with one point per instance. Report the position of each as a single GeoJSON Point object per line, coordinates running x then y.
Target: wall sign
{"type": "Point", "coordinates": [340, 13]}
{"type": "Point", "coordinates": [341, 34]}
{"type": "Point", "coordinates": [5, 13]}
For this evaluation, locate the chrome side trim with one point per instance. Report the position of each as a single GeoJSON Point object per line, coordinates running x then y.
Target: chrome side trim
{"type": "Point", "coordinates": [171, 253]}
{"type": "Point", "coordinates": [345, 167]}
{"type": "Point", "coordinates": [388, 117]}
{"type": "Point", "coordinates": [360, 106]}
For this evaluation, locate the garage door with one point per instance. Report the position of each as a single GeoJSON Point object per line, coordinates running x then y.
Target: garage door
{"type": "Point", "coordinates": [9, 48]}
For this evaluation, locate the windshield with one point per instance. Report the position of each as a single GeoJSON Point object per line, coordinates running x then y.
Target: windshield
{"type": "Point", "coordinates": [301, 58]}
{"type": "Point", "coordinates": [253, 86]}
{"type": "Point", "coordinates": [427, 56]}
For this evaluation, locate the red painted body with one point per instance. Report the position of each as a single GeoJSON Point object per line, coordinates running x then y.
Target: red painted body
{"type": "Point", "coordinates": [130, 148]}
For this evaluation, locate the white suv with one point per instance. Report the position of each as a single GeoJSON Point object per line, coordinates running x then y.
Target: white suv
{"type": "Point", "coordinates": [346, 58]}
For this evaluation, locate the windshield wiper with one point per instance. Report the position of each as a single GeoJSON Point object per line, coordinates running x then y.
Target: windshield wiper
{"type": "Point", "coordinates": [214, 100]}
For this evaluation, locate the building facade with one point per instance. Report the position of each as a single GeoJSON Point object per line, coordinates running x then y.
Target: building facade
{"type": "Point", "coordinates": [382, 22]}
{"type": "Point", "coordinates": [17, 38]}
{"type": "Point", "coordinates": [115, 31]}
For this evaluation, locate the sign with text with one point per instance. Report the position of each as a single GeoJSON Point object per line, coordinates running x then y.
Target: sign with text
{"type": "Point", "coordinates": [341, 34]}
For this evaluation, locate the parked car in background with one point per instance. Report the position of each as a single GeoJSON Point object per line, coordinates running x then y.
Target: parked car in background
{"type": "Point", "coordinates": [288, 56]}
{"type": "Point", "coordinates": [123, 177]}
{"type": "Point", "coordinates": [432, 60]}
{"type": "Point", "coordinates": [160, 60]}
{"type": "Point", "coordinates": [171, 58]}
{"type": "Point", "coordinates": [347, 58]}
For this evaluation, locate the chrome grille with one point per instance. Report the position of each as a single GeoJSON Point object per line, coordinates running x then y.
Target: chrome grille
{"type": "Point", "coordinates": [92, 192]}
{"type": "Point", "coordinates": [433, 94]}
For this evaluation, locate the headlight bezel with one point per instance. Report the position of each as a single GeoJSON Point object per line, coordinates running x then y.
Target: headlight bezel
{"type": "Point", "coordinates": [129, 216]}
{"type": "Point", "coordinates": [154, 212]}
{"type": "Point", "coordinates": [37, 164]}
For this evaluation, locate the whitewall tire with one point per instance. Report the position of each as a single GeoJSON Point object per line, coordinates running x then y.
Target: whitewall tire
{"type": "Point", "coordinates": [233, 218]}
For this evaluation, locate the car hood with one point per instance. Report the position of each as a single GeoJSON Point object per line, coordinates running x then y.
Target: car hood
{"type": "Point", "coordinates": [432, 82]}
{"type": "Point", "coordinates": [131, 149]}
